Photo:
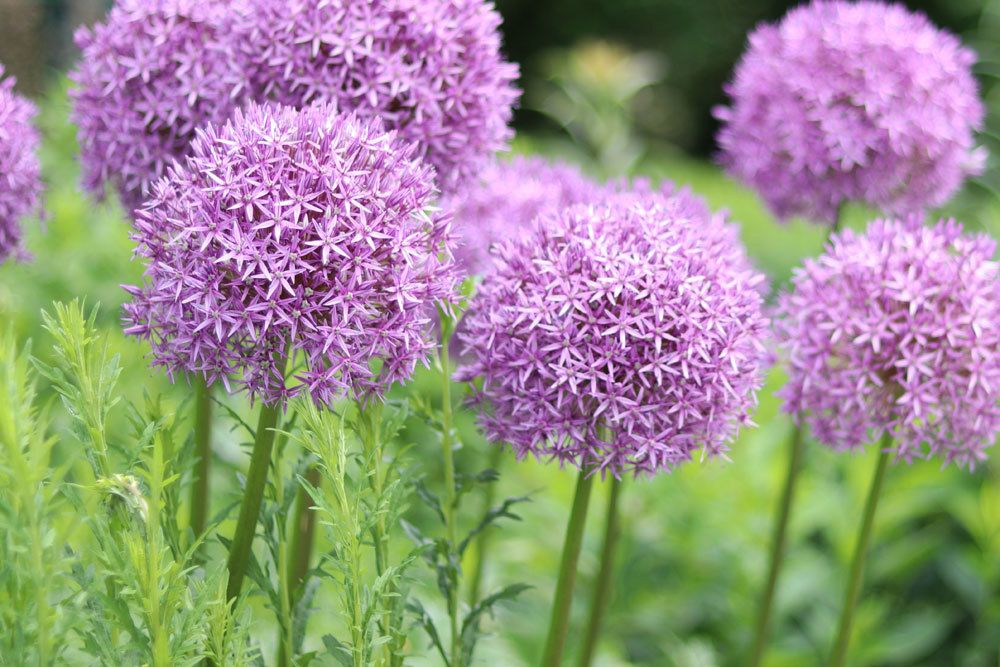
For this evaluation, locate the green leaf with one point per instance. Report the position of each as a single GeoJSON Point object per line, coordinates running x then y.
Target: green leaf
{"type": "Point", "coordinates": [238, 421]}
{"type": "Point", "coordinates": [340, 652]}
{"type": "Point", "coordinates": [430, 499]}
{"type": "Point", "coordinates": [425, 621]}
{"type": "Point", "coordinates": [303, 608]}
{"type": "Point", "coordinates": [465, 483]}
{"type": "Point", "coordinates": [470, 625]}
{"type": "Point", "coordinates": [494, 514]}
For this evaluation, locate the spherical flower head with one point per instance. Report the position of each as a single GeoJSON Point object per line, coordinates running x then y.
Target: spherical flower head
{"type": "Point", "coordinates": [897, 332]}
{"type": "Point", "coordinates": [852, 101]}
{"type": "Point", "coordinates": [504, 202]}
{"type": "Point", "coordinates": [151, 74]}
{"type": "Point", "coordinates": [293, 234]}
{"type": "Point", "coordinates": [20, 180]}
{"type": "Point", "coordinates": [430, 69]}
{"type": "Point", "coordinates": [618, 336]}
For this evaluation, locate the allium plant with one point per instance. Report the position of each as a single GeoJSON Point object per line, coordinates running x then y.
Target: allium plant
{"type": "Point", "coordinates": [852, 101]}
{"type": "Point", "coordinates": [640, 316]}
{"type": "Point", "coordinates": [298, 238]}
{"type": "Point", "coordinates": [897, 332]}
{"type": "Point", "coordinates": [292, 234]}
{"type": "Point", "coordinates": [20, 180]}
{"type": "Point", "coordinates": [149, 76]}
{"type": "Point", "coordinates": [894, 335]}
{"type": "Point", "coordinates": [505, 201]}
{"type": "Point", "coordinates": [501, 205]}
{"type": "Point", "coordinates": [431, 69]}
{"type": "Point", "coordinates": [618, 337]}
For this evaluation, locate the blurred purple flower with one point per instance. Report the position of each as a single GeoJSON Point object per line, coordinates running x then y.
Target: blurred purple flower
{"type": "Point", "coordinates": [430, 69]}
{"type": "Point", "coordinates": [852, 101]}
{"type": "Point", "coordinates": [897, 331]}
{"type": "Point", "coordinates": [639, 314]}
{"type": "Point", "coordinates": [293, 232]}
{"type": "Point", "coordinates": [150, 75]}
{"type": "Point", "coordinates": [507, 198]}
{"type": "Point", "coordinates": [20, 179]}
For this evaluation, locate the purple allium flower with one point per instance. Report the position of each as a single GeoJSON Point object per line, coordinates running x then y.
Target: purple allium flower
{"type": "Point", "coordinates": [430, 69]}
{"type": "Point", "coordinates": [293, 231]}
{"type": "Point", "coordinates": [638, 315]}
{"type": "Point", "coordinates": [149, 76]}
{"type": "Point", "coordinates": [897, 331]}
{"type": "Point", "coordinates": [852, 101]}
{"type": "Point", "coordinates": [20, 180]}
{"type": "Point", "coordinates": [504, 202]}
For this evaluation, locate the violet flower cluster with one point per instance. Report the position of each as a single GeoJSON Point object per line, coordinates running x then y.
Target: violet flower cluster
{"type": "Point", "coordinates": [625, 335]}
{"type": "Point", "coordinates": [505, 200]}
{"type": "Point", "coordinates": [431, 69]}
{"type": "Point", "coordinates": [852, 101]}
{"type": "Point", "coordinates": [897, 331]}
{"type": "Point", "coordinates": [20, 179]}
{"type": "Point", "coordinates": [150, 75]}
{"type": "Point", "coordinates": [301, 234]}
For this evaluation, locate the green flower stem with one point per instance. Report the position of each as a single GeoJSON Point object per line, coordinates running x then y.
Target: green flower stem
{"type": "Point", "coordinates": [203, 454]}
{"type": "Point", "coordinates": [483, 539]}
{"type": "Point", "coordinates": [253, 495]}
{"type": "Point", "coordinates": [778, 541]}
{"type": "Point", "coordinates": [448, 456]}
{"type": "Point", "coordinates": [839, 657]}
{"type": "Point", "coordinates": [295, 563]}
{"type": "Point", "coordinates": [838, 222]}
{"type": "Point", "coordinates": [559, 623]}
{"type": "Point", "coordinates": [303, 530]}
{"type": "Point", "coordinates": [602, 591]}
{"type": "Point", "coordinates": [780, 536]}
{"type": "Point", "coordinates": [286, 623]}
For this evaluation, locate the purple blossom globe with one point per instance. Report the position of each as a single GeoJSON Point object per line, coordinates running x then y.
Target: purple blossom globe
{"type": "Point", "coordinates": [293, 234]}
{"type": "Point", "coordinates": [897, 332]}
{"type": "Point", "coordinates": [149, 76]}
{"type": "Point", "coordinates": [504, 202]}
{"type": "Point", "coordinates": [430, 69]}
{"type": "Point", "coordinates": [20, 179]}
{"type": "Point", "coordinates": [623, 336]}
{"type": "Point", "coordinates": [852, 101]}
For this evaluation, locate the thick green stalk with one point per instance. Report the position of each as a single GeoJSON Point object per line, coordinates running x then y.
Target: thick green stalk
{"type": "Point", "coordinates": [295, 558]}
{"type": "Point", "coordinates": [780, 536]}
{"type": "Point", "coordinates": [203, 454]}
{"type": "Point", "coordinates": [602, 588]}
{"type": "Point", "coordinates": [559, 623]}
{"type": "Point", "coordinates": [303, 530]}
{"type": "Point", "coordinates": [778, 541]}
{"type": "Point", "coordinates": [483, 539]}
{"type": "Point", "coordinates": [285, 645]}
{"type": "Point", "coordinates": [839, 657]}
{"type": "Point", "coordinates": [451, 531]}
{"type": "Point", "coordinates": [253, 496]}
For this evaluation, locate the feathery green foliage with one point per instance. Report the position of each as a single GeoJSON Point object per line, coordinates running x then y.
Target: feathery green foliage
{"type": "Point", "coordinates": [127, 587]}
{"type": "Point", "coordinates": [36, 606]}
{"type": "Point", "coordinates": [361, 497]}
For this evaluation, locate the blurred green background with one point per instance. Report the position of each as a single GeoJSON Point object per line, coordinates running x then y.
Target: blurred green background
{"type": "Point", "coordinates": [625, 86]}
